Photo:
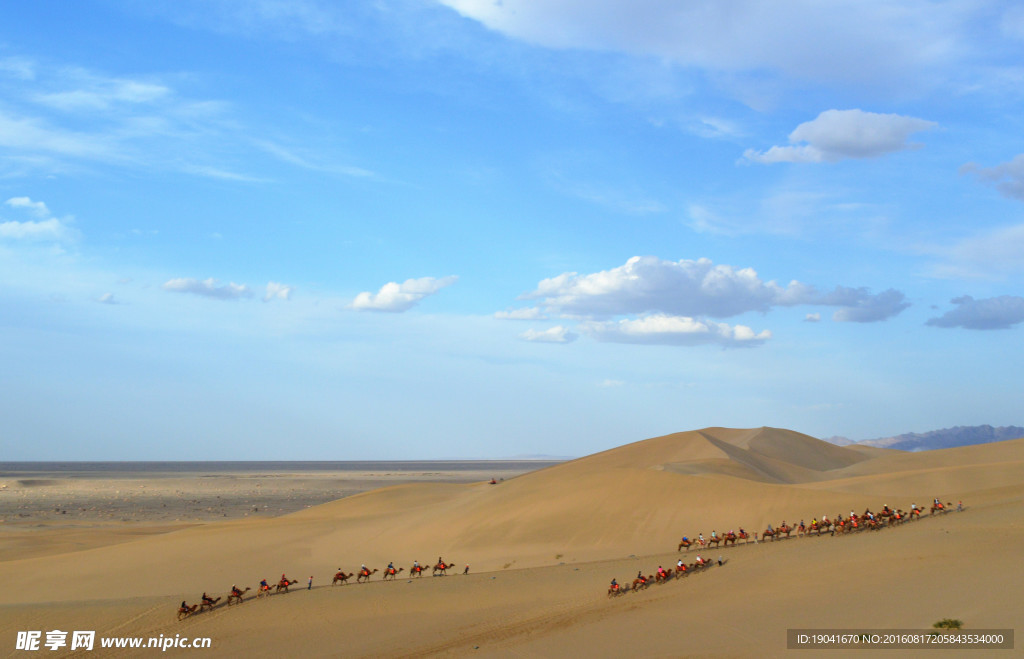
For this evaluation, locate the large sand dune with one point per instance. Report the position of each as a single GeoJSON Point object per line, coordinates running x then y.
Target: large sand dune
{"type": "Point", "coordinates": [543, 546]}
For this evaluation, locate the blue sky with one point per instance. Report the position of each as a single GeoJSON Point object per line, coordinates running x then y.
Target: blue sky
{"type": "Point", "coordinates": [408, 229]}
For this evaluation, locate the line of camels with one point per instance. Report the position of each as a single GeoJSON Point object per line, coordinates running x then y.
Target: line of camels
{"type": "Point", "coordinates": [854, 523]}
{"type": "Point", "coordinates": [237, 595]}
{"type": "Point", "coordinates": [840, 525]}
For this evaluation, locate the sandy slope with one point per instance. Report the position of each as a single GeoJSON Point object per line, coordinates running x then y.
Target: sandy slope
{"type": "Point", "coordinates": [544, 545]}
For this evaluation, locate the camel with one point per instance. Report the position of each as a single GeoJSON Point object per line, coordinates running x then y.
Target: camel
{"type": "Point", "coordinates": [640, 582]}
{"type": "Point", "coordinates": [685, 542]}
{"type": "Point", "coordinates": [237, 594]}
{"type": "Point", "coordinates": [714, 540]}
{"type": "Point", "coordinates": [264, 591]}
{"type": "Point", "coordinates": [342, 577]}
{"type": "Point", "coordinates": [939, 508]}
{"type": "Point", "coordinates": [769, 533]}
{"type": "Point", "coordinates": [366, 574]}
{"type": "Point", "coordinates": [615, 590]}
{"type": "Point", "coordinates": [392, 573]}
{"type": "Point", "coordinates": [681, 571]}
{"type": "Point", "coordinates": [785, 529]}
{"type": "Point", "coordinates": [416, 570]}
{"type": "Point", "coordinates": [744, 536]}
{"type": "Point", "coordinates": [442, 567]}
{"type": "Point", "coordinates": [186, 611]}
{"type": "Point", "coordinates": [663, 576]}
{"type": "Point", "coordinates": [729, 537]}
{"type": "Point", "coordinates": [283, 585]}
{"type": "Point", "coordinates": [208, 602]}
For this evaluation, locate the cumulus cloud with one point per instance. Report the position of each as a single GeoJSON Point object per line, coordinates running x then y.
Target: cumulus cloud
{"type": "Point", "coordinates": [1008, 177]}
{"type": "Point", "coordinates": [208, 288]}
{"type": "Point", "coordinates": [277, 291]}
{"type": "Point", "coordinates": [529, 313]}
{"type": "Point", "coordinates": [556, 334]}
{"type": "Point", "coordinates": [647, 284]}
{"type": "Point", "coordinates": [662, 329]}
{"type": "Point", "coordinates": [394, 297]}
{"type": "Point", "coordinates": [812, 318]}
{"type": "Point", "coordinates": [1001, 312]}
{"type": "Point", "coordinates": [45, 228]}
{"type": "Point", "coordinates": [840, 134]}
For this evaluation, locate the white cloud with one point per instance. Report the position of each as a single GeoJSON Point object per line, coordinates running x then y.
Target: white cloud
{"type": "Point", "coordinates": [1001, 312]}
{"type": "Point", "coordinates": [840, 134]}
{"type": "Point", "coordinates": [662, 329]}
{"type": "Point", "coordinates": [647, 284]}
{"type": "Point", "coordinates": [843, 41]}
{"type": "Point", "coordinates": [812, 318]}
{"type": "Point", "coordinates": [47, 228]}
{"type": "Point", "coordinates": [396, 297]}
{"type": "Point", "coordinates": [208, 288]}
{"type": "Point", "coordinates": [528, 313]}
{"type": "Point", "coordinates": [107, 298]}
{"type": "Point", "coordinates": [556, 334]}
{"type": "Point", "coordinates": [38, 208]}
{"type": "Point", "coordinates": [277, 291]}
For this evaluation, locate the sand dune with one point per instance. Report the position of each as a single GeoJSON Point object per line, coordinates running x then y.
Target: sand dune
{"type": "Point", "coordinates": [543, 545]}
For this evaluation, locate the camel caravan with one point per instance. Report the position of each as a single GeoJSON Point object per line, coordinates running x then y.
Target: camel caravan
{"type": "Point", "coordinates": [237, 595]}
{"type": "Point", "coordinates": [839, 525]}
{"type": "Point", "coordinates": [887, 517]}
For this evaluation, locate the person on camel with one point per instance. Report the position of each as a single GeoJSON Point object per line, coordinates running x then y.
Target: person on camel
{"type": "Point", "coordinates": [207, 599]}
{"type": "Point", "coordinates": [264, 585]}
{"type": "Point", "coordinates": [615, 584]}
{"type": "Point", "coordinates": [391, 567]}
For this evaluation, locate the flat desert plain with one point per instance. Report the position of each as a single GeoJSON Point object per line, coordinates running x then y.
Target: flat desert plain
{"type": "Point", "coordinates": [542, 548]}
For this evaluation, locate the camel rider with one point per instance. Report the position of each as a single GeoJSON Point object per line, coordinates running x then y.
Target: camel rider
{"type": "Point", "coordinates": [661, 571]}
{"type": "Point", "coordinates": [363, 568]}
{"type": "Point", "coordinates": [714, 534]}
{"type": "Point", "coordinates": [440, 561]}
{"type": "Point", "coordinates": [391, 567]}
{"type": "Point", "coordinates": [207, 599]}
{"type": "Point", "coordinates": [235, 590]}
{"type": "Point", "coordinates": [264, 585]}
{"type": "Point", "coordinates": [770, 529]}
{"type": "Point", "coordinates": [615, 584]}
{"type": "Point", "coordinates": [184, 607]}
{"type": "Point", "coordinates": [679, 563]}
{"type": "Point", "coordinates": [700, 538]}
{"type": "Point", "coordinates": [415, 564]}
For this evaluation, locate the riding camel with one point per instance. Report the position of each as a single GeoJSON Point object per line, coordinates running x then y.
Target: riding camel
{"type": "Point", "coordinates": [640, 582]}
{"type": "Point", "coordinates": [342, 577]}
{"type": "Point", "coordinates": [237, 594]}
{"type": "Point", "coordinates": [744, 536]}
{"type": "Point", "coordinates": [366, 574]}
{"type": "Point", "coordinates": [442, 568]}
{"type": "Point", "coordinates": [663, 576]}
{"type": "Point", "coordinates": [785, 530]}
{"type": "Point", "coordinates": [264, 591]}
{"type": "Point", "coordinates": [208, 602]}
{"type": "Point", "coordinates": [416, 570]}
{"type": "Point", "coordinates": [186, 611]}
{"type": "Point", "coordinates": [714, 540]}
{"type": "Point", "coordinates": [939, 508]}
{"type": "Point", "coordinates": [729, 537]}
{"type": "Point", "coordinates": [685, 542]}
{"type": "Point", "coordinates": [392, 573]}
{"type": "Point", "coordinates": [615, 590]}
{"type": "Point", "coordinates": [283, 585]}
{"type": "Point", "coordinates": [769, 533]}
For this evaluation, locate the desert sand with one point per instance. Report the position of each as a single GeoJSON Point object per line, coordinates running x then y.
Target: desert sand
{"type": "Point", "coordinates": [542, 548]}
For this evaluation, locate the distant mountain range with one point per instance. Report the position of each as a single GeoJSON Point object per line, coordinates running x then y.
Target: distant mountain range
{"type": "Point", "coordinates": [936, 439]}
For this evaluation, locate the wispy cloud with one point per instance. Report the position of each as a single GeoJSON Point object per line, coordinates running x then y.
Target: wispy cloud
{"type": "Point", "coordinates": [662, 329]}
{"type": "Point", "coordinates": [556, 334]}
{"type": "Point", "coordinates": [277, 291]}
{"type": "Point", "coordinates": [208, 288]}
{"type": "Point", "coordinates": [45, 228]}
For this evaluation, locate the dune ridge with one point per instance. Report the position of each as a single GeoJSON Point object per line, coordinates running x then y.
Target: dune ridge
{"type": "Point", "coordinates": [600, 510]}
